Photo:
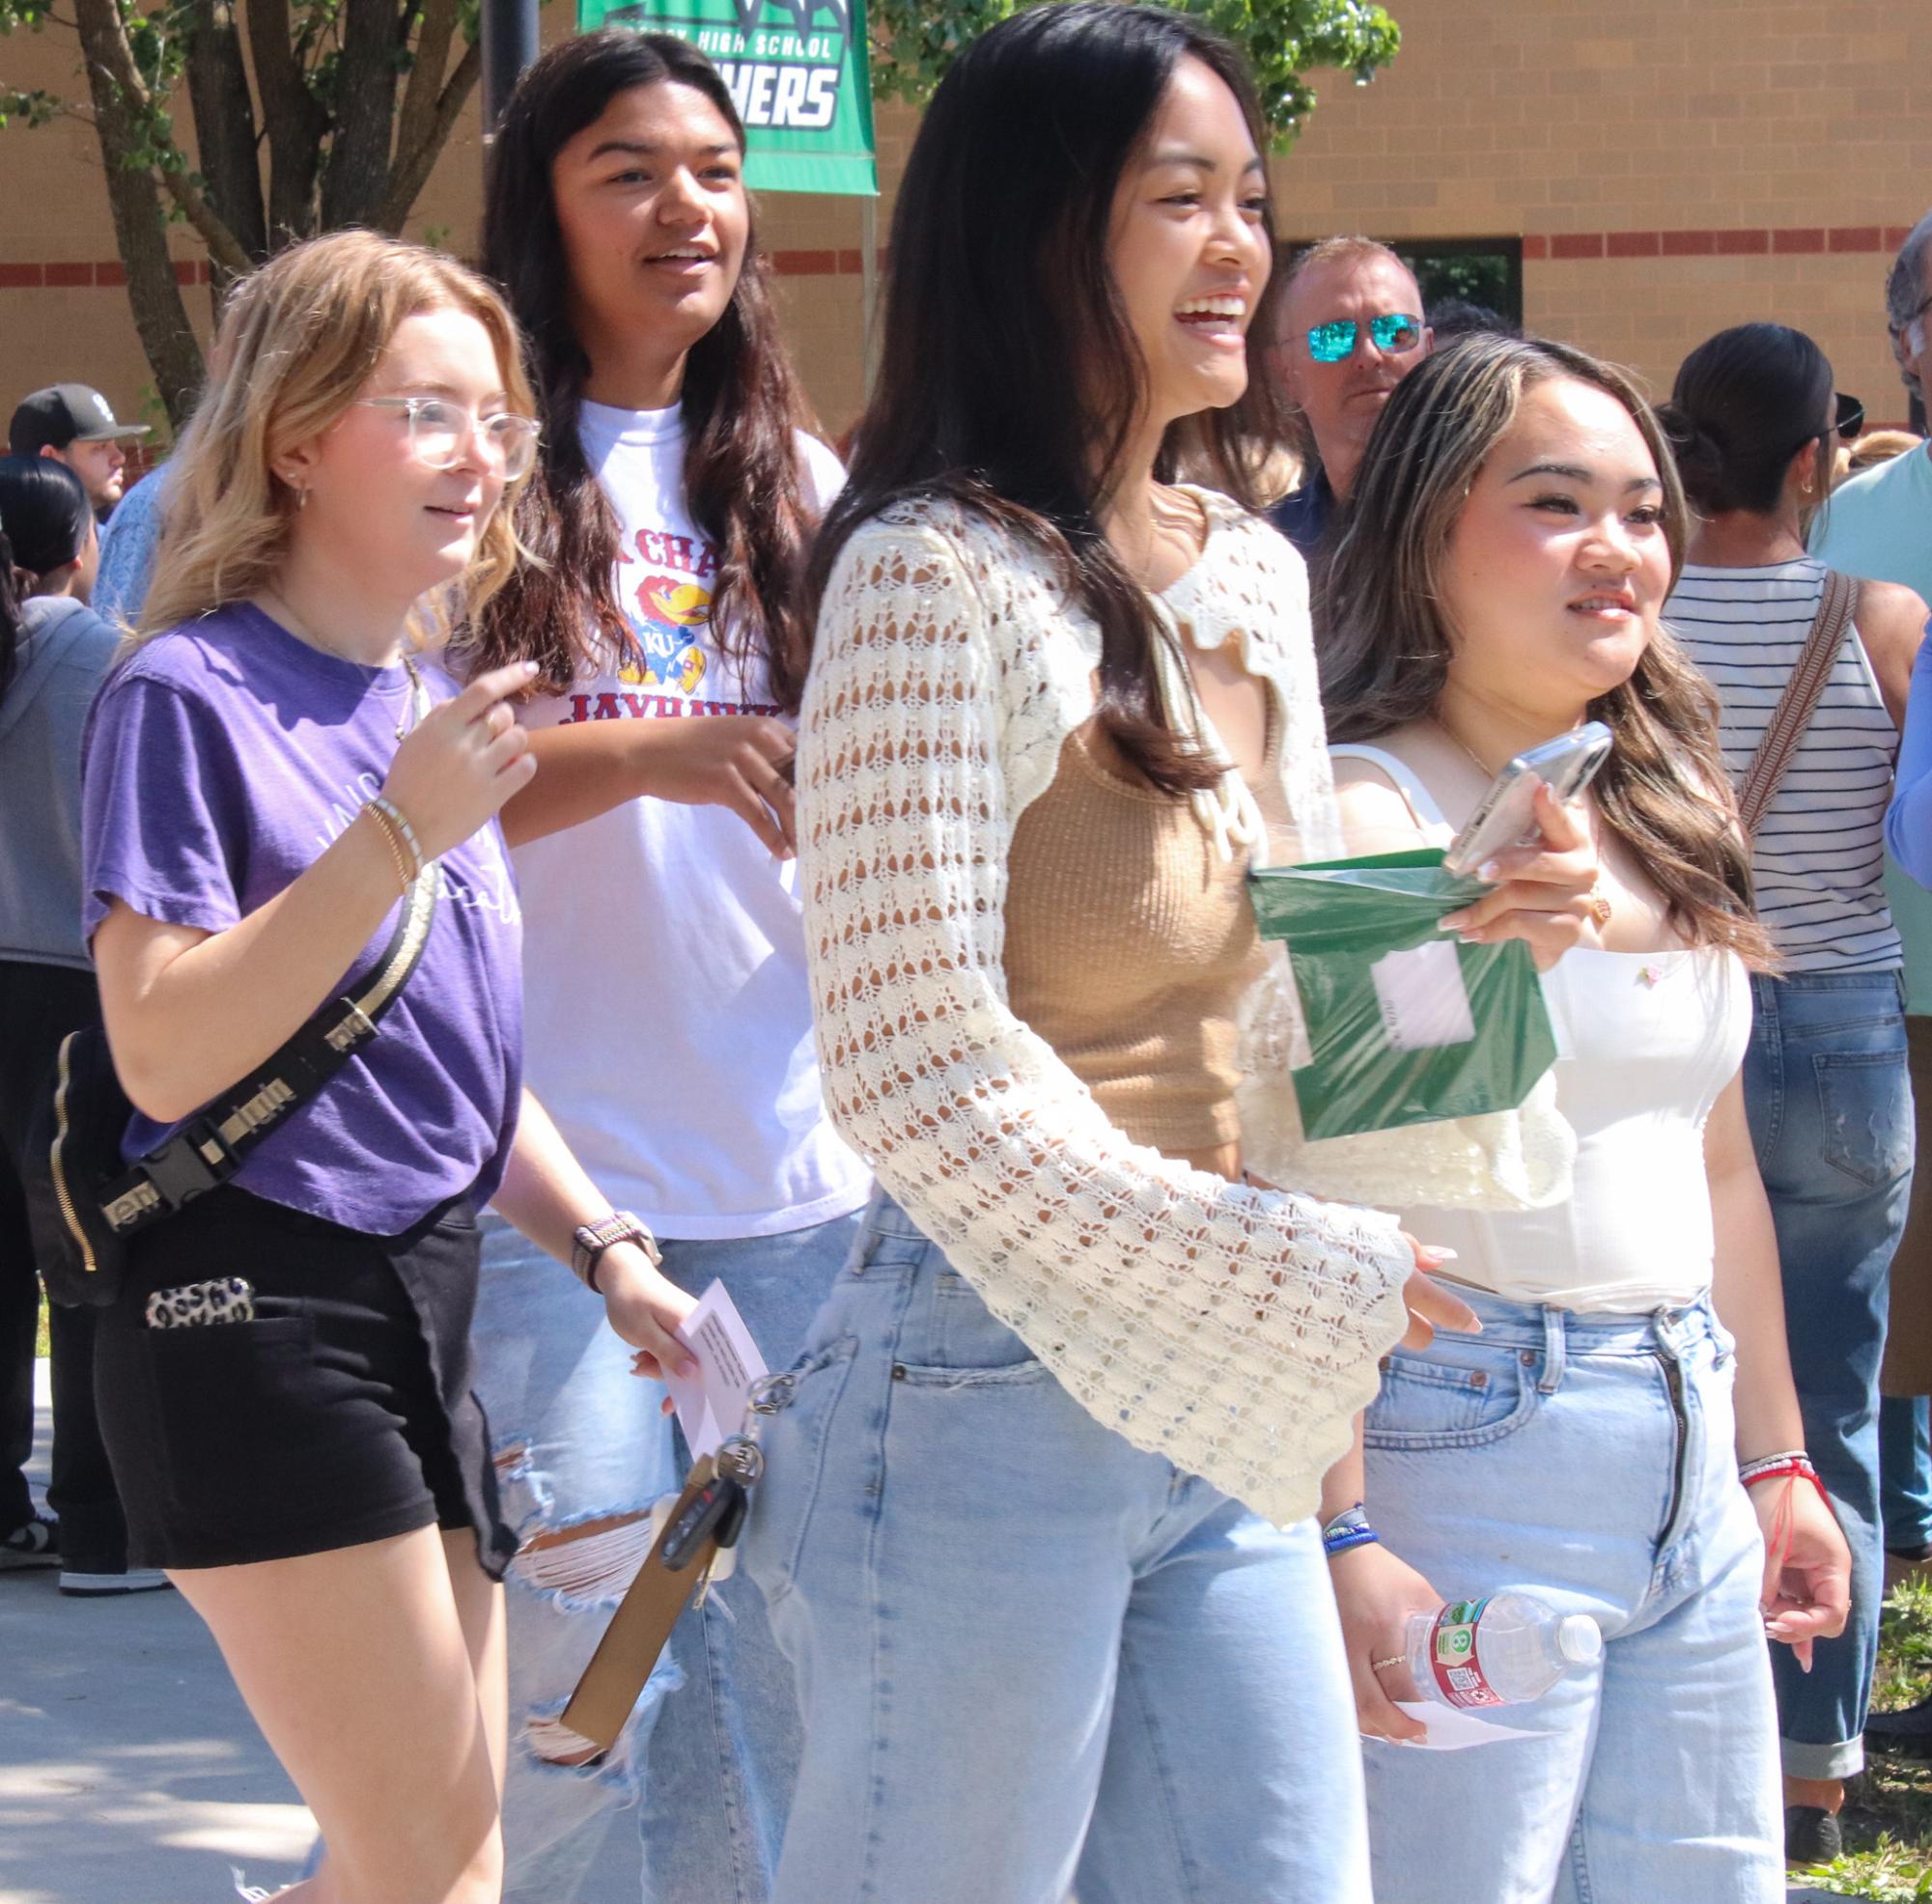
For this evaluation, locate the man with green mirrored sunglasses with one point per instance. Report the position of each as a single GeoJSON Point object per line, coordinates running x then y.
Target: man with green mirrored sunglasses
{"type": "Point", "coordinates": [1351, 330]}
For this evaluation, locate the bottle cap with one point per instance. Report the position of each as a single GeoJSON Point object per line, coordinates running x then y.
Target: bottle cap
{"type": "Point", "coordinates": [1580, 1640]}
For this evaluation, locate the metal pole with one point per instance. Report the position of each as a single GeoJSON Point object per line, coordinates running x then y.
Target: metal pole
{"type": "Point", "coordinates": [509, 33]}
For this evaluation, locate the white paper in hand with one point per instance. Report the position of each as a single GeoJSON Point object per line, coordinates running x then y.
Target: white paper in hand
{"type": "Point", "coordinates": [710, 1403]}
{"type": "Point", "coordinates": [1452, 1730]}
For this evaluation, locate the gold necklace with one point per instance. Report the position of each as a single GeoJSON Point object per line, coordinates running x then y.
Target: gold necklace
{"type": "Point", "coordinates": [290, 620]}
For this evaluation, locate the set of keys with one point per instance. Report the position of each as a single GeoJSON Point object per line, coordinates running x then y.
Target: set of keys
{"type": "Point", "coordinates": [696, 1528]}
{"type": "Point", "coordinates": [714, 1513]}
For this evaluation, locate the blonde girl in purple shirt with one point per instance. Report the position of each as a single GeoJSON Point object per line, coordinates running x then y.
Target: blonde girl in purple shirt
{"type": "Point", "coordinates": [314, 1471]}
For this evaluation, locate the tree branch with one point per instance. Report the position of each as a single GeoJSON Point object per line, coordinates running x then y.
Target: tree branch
{"type": "Point", "coordinates": [128, 129]}
{"type": "Point", "coordinates": [411, 170]}
{"type": "Point", "coordinates": [425, 74]}
{"type": "Point", "coordinates": [224, 249]}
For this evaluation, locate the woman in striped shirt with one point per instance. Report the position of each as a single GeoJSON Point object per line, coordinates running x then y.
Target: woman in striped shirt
{"type": "Point", "coordinates": [1752, 419]}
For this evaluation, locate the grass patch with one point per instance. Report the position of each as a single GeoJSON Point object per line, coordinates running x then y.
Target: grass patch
{"type": "Point", "coordinates": [40, 1331]}
{"type": "Point", "coordinates": [1887, 1816]}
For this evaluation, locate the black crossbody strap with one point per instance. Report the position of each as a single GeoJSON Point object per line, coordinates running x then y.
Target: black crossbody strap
{"type": "Point", "coordinates": [209, 1150]}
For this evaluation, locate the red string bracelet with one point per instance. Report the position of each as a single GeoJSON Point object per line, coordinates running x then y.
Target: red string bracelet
{"type": "Point", "coordinates": [1795, 1467]}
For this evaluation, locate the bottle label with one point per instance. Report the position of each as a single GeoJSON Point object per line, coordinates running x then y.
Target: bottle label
{"type": "Point", "coordinates": [1453, 1657]}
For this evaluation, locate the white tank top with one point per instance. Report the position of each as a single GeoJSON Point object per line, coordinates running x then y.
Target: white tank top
{"type": "Point", "coordinates": [1646, 1042]}
{"type": "Point", "coordinates": [1818, 860]}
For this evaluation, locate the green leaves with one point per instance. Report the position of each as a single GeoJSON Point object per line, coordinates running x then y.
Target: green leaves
{"type": "Point", "coordinates": [913, 41]}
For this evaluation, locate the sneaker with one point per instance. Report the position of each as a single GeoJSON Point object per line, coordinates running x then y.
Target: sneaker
{"type": "Point", "coordinates": [126, 1580]}
{"type": "Point", "coordinates": [1906, 1733]}
{"type": "Point", "coordinates": [1813, 1835]}
{"type": "Point", "coordinates": [35, 1545]}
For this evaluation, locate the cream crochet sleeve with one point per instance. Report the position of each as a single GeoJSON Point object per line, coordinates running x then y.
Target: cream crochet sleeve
{"type": "Point", "coordinates": [1235, 1332]}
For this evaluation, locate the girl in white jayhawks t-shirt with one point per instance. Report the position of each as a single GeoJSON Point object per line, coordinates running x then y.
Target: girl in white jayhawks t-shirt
{"type": "Point", "coordinates": [668, 1024]}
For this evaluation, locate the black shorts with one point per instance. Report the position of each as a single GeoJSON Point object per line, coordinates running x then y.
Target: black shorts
{"type": "Point", "coordinates": [341, 1413]}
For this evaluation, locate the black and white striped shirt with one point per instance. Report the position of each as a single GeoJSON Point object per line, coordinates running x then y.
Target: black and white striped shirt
{"type": "Point", "coordinates": [1819, 855]}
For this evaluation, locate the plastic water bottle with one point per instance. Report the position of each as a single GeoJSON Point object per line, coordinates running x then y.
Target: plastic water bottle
{"type": "Point", "coordinates": [1504, 1650]}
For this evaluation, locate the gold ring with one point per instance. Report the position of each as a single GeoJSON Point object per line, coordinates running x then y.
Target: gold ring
{"type": "Point", "coordinates": [1376, 1666]}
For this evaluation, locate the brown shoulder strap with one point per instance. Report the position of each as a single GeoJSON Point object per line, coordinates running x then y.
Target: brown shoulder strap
{"type": "Point", "coordinates": [1799, 700]}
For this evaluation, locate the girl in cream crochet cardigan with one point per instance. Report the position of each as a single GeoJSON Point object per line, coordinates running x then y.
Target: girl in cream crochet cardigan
{"type": "Point", "coordinates": [1034, 1527]}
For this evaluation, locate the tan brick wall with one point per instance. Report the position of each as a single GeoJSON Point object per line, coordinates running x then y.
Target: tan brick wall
{"type": "Point", "coordinates": [1501, 118]}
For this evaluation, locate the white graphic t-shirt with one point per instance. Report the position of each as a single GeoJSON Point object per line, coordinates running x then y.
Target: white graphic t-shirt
{"type": "Point", "coordinates": [667, 1025]}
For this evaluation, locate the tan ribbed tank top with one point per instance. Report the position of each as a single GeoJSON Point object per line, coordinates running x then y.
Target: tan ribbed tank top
{"type": "Point", "coordinates": [1129, 944]}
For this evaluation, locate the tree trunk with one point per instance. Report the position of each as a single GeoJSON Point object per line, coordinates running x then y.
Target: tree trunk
{"type": "Point", "coordinates": [358, 175]}
{"type": "Point", "coordinates": [296, 123]}
{"type": "Point", "coordinates": [153, 295]}
{"type": "Point", "coordinates": [224, 120]}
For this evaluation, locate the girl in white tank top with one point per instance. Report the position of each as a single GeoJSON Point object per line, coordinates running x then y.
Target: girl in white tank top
{"type": "Point", "coordinates": [1584, 1447]}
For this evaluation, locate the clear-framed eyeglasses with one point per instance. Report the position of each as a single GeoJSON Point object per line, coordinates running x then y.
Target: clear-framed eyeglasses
{"type": "Point", "coordinates": [439, 429]}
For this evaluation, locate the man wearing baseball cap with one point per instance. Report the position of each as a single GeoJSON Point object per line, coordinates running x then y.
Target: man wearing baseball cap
{"type": "Point", "coordinates": [72, 423]}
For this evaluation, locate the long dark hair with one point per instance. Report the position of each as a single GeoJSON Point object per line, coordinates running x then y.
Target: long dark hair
{"type": "Point", "coordinates": [1386, 643]}
{"type": "Point", "coordinates": [1009, 378]}
{"type": "Point", "coordinates": [44, 516]}
{"type": "Point", "coordinates": [742, 402]}
{"type": "Point", "coordinates": [1745, 402]}
{"type": "Point", "coordinates": [44, 507]}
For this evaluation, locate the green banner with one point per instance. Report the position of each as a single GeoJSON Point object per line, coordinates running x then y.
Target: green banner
{"type": "Point", "coordinates": [798, 72]}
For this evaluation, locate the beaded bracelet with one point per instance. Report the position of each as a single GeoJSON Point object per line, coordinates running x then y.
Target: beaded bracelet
{"type": "Point", "coordinates": [1348, 1528]}
{"type": "Point", "coordinates": [1761, 1468]}
{"type": "Point", "coordinates": [1793, 1465]}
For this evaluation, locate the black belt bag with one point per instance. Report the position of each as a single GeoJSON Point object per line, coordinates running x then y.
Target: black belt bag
{"type": "Point", "coordinates": [86, 1204]}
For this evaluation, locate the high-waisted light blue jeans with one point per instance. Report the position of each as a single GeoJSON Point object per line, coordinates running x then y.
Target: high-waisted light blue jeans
{"type": "Point", "coordinates": [1587, 1460]}
{"type": "Point", "coordinates": [1032, 1658]}
{"type": "Point", "coordinates": [582, 1453]}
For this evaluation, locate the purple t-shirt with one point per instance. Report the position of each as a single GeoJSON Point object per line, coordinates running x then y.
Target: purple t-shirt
{"type": "Point", "coordinates": [217, 765]}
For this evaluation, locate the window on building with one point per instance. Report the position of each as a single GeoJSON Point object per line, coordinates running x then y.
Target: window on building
{"type": "Point", "coordinates": [1478, 270]}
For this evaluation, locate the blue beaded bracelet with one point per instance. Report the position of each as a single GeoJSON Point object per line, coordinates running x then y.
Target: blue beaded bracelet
{"type": "Point", "coordinates": [1348, 1528]}
{"type": "Point", "coordinates": [1334, 1544]}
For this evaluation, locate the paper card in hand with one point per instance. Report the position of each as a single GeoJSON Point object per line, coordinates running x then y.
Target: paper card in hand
{"type": "Point", "coordinates": [1405, 1024]}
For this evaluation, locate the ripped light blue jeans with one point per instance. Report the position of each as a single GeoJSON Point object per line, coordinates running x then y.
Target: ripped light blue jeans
{"type": "Point", "coordinates": [582, 1453]}
{"type": "Point", "coordinates": [1031, 1657]}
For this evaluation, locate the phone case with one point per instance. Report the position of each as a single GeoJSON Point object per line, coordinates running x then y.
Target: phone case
{"type": "Point", "coordinates": [1567, 765]}
{"type": "Point", "coordinates": [197, 1305]}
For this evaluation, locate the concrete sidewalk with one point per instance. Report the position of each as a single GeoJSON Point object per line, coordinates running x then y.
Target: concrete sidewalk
{"type": "Point", "coordinates": [130, 1772]}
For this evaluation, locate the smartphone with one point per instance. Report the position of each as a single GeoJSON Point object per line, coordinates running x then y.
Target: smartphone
{"type": "Point", "coordinates": [1507, 817]}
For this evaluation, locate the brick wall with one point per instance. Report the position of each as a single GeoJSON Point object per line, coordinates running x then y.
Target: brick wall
{"type": "Point", "coordinates": [1671, 168]}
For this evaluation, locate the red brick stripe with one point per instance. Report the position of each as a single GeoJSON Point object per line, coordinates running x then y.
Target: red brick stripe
{"type": "Point", "coordinates": [60, 274]}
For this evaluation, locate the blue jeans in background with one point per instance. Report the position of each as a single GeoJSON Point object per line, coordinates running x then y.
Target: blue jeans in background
{"type": "Point", "coordinates": [1033, 1658]}
{"type": "Point", "coordinates": [1905, 1473]}
{"type": "Point", "coordinates": [581, 1446]}
{"type": "Point", "coordinates": [1587, 1460]}
{"type": "Point", "coordinates": [1831, 1116]}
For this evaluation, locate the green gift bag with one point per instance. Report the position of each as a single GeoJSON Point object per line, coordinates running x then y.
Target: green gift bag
{"type": "Point", "coordinates": [1406, 1023]}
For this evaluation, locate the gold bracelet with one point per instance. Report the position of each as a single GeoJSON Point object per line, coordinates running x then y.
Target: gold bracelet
{"type": "Point", "coordinates": [393, 841]}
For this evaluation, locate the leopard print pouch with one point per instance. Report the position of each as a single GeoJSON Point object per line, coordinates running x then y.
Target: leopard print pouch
{"type": "Point", "coordinates": [193, 1305]}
